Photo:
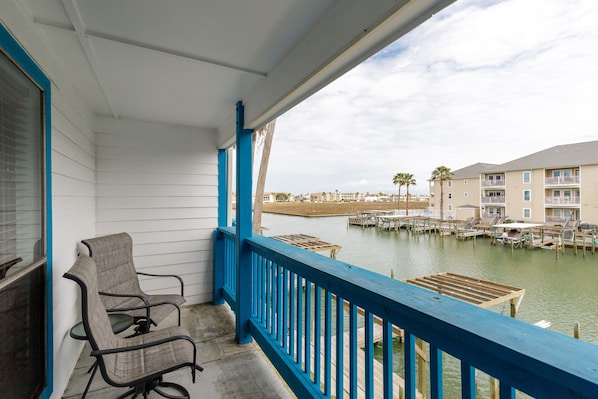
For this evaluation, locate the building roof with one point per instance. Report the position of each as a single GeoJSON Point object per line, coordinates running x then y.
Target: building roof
{"type": "Point", "coordinates": [566, 155]}
{"type": "Point", "coordinates": [472, 171]}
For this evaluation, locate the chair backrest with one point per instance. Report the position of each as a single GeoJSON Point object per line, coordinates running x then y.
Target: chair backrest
{"type": "Point", "coordinates": [113, 255]}
{"type": "Point", "coordinates": [95, 319]}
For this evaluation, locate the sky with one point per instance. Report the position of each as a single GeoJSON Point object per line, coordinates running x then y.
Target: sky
{"type": "Point", "coordinates": [482, 81]}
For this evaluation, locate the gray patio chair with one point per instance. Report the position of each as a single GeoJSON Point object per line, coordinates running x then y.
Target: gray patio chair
{"type": "Point", "coordinates": [119, 284]}
{"type": "Point", "coordinates": [137, 362]}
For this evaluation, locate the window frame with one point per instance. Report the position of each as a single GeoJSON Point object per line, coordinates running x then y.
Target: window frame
{"type": "Point", "coordinates": [529, 195]}
{"type": "Point", "coordinates": [12, 49]}
{"type": "Point", "coordinates": [527, 177]}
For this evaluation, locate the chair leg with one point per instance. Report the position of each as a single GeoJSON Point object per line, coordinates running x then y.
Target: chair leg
{"type": "Point", "coordinates": [156, 386]}
{"type": "Point", "coordinates": [93, 370]}
{"type": "Point", "coordinates": [171, 385]}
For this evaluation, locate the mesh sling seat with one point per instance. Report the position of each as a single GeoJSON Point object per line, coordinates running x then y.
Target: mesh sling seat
{"type": "Point", "coordinates": [118, 282]}
{"type": "Point", "coordinates": [138, 362]}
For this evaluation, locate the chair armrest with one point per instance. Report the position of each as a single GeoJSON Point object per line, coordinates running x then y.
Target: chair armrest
{"type": "Point", "coordinates": [141, 297]}
{"type": "Point", "coordinates": [166, 275]}
{"type": "Point", "coordinates": [145, 345]}
{"type": "Point", "coordinates": [146, 304]}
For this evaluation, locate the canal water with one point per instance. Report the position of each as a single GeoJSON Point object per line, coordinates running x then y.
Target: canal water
{"type": "Point", "coordinates": [561, 290]}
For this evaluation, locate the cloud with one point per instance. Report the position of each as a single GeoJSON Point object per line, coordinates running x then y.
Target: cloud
{"type": "Point", "coordinates": [477, 83]}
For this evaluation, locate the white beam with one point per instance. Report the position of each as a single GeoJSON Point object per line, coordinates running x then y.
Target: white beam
{"type": "Point", "coordinates": [148, 46]}
{"type": "Point", "coordinates": [74, 15]}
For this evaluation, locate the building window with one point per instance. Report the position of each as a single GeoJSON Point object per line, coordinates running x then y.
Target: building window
{"type": "Point", "coordinates": [449, 184]}
{"type": "Point", "coordinates": [527, 177]}
{"type": "Point", "coordinates": [527, 195]}
{"type": "Point", "coordinates": [21, 160]}
{"type": "Point", "coordinates": [465, 181]}
{"type": "Point", "coordinates": [527, 213]}
{"type": "Point", "coordinates": [24, 220]}
{"type": "Point", "coordinates": [465, 194]}
{"type": "Point", "coordinates": [450, 195]}
{"type": "Point", "coordinates": [450, 207]}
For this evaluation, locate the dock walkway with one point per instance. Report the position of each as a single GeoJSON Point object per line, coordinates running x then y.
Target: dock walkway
{"type": "Point", "coordinates": [398, 382]}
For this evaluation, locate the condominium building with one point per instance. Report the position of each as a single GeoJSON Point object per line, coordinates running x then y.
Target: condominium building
{"type": "Point", "coordinates": [558, 183]}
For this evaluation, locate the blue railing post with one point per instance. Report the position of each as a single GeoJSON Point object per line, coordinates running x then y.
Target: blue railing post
{"type": "Point", "coordinates": [243, 226]}
{"type": "Point", "coordinates": [436, 386]}
{"type": "Point", "coordinates": [218, 267]}
{"type": "Point", "coordinates": [218, 256]}
{"type": "Point", "coordinates": [409, 348]}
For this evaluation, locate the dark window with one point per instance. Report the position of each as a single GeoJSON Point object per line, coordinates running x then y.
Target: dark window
{"type": "Point", "coordinates": [25, 317]}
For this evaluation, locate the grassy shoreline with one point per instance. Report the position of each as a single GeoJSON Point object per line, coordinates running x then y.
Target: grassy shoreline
{"type": "Point", "coordinates": [312, 209]}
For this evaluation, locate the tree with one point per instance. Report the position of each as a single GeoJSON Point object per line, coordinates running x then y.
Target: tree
{"type": "Point", "coordinates": [442, 173]}
{"type": "Point", "coordinates": [399, 179]}
{"type": "Point", "coordinates": [409, 181]}
{"type": "Point", "coordinates": [267, 132]}
{"type": "Point", "coordinates": [282, 197]}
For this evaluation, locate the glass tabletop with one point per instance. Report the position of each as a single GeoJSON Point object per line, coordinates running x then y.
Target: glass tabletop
{"type": "Point", "coordinates": [119, 322]}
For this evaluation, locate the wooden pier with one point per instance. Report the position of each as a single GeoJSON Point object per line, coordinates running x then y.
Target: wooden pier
{"type": "Point", "coordinates": [367, 218]}
{"type": "Point", "coordinates": [478, 292]}
{"type": "Point", "coordinates": [310, 243]}
{"type": "Point", "coordinates": [530, 235]}
{"type": "Point", "coordinates": [397, 381]}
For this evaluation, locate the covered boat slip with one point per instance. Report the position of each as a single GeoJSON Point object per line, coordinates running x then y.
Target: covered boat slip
{"type": "Point", "coordinates": [482, 293]}
{"type": "Point", "coordinates": [310, 243]}
{"type": "Point", "coordinates": [537, 235]}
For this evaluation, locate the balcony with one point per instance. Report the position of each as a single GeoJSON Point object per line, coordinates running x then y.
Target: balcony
{"type": "Point", "coordinates": [293, 302]}
{"type": "Point", "coordinates": [493, 200]}
{"type": "Point", "coordinates": [562, 181]}
{"type": "Point", "coordinates": [562, 201]}
{"type": "Point", "coordinates": [494, 183]}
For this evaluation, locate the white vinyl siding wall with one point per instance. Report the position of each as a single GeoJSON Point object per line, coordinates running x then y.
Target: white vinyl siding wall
{"type": "Point", "coordinates": [73, 186]}
{"type": "Point", "coordinates": [159, 183]}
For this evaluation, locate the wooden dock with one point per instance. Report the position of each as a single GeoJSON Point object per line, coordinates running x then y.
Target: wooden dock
{"type": "Point", "coordinates": [482, 293]}
{"type": "Point", "coordinates": [367, 218]}
{"type": "Point", "coordinates": [310, 243]}
{"type": "Point", "coordinates": [397, 381]}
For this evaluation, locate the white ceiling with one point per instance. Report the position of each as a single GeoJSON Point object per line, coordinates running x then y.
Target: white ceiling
{"type": "Point", "coordinates": [189, 61]}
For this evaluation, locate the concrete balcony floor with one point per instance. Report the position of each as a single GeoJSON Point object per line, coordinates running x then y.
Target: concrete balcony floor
{"type": "Point", "coordinates": [230, 370]}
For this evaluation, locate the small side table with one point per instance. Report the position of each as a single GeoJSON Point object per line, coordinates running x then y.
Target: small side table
{"type": "Point", "coordinates": [119, 322]}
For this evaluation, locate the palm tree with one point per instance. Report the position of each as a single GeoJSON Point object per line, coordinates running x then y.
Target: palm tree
{"type": "Point", "coordinates": [442, 173]}
{"type": "Point", "coordinates": [399, 179]}
{"type": "Point", "coordinates": [409, 181]}
{"type": "Point", "coordinates": [267, 132]}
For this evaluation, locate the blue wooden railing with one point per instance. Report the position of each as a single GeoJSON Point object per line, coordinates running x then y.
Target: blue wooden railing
{"type": "Point", "coordinates": [300, 300]}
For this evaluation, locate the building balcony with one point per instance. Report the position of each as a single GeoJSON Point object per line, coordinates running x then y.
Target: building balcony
{"type": "Point", "coordinates": [493, 200]}
{"type": "Point", "coordinates": [562, 181]}
{"type": "Point", "coordinates": [562, 201]}
{"type": "Point", "coordinates": [493, 183]}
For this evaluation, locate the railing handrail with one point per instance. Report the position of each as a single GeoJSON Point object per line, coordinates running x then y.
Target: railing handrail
{"type": "Point", "coordinates": [562, 180]}
{"type": "Point", "coordinates": [493, 200]}
{"type": "Point", "coordinates": [562, 200]}
{"type": "Point", "coordinates": [540, 362]}
{"type": "Point", "coordinates": [494, 183]}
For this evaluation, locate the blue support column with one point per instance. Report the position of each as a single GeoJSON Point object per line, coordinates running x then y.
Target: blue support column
{"type": "Point", "coordinates": [218, 265]}
{"type": "Point", "coordinates": [222, 187]}
{"type": "Point", "coordinates": [244, 221]}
